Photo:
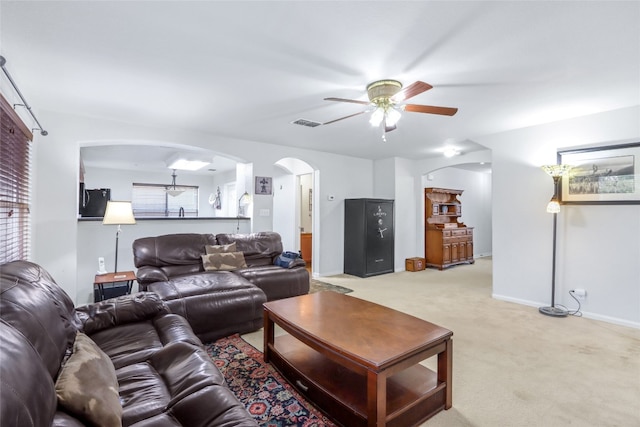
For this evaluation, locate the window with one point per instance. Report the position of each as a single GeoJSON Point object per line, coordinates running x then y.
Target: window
{"type": "Point", "coordinates": [15, 194]}
{"type": "Point", "coordinates": [153, 200]}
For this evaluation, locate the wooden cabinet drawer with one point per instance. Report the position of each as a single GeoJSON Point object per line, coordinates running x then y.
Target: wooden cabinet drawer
{"type": "Point", "coordinates": [459, 232]}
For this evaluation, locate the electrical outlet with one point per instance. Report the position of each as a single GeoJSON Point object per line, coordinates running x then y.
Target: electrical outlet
{"type": "Point", "coordinates": [580, 293]}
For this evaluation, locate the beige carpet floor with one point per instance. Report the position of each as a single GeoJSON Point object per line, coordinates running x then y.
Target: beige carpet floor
{"type": "Point", "coordinates": [511, 365]}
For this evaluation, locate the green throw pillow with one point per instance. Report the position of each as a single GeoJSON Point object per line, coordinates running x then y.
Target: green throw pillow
{"type": "Point", "coordinates": [87, 386]}
{"type": "Point", "coordinates": [218, 249]}
{"type": "Point", "coordinates": [227, 261]}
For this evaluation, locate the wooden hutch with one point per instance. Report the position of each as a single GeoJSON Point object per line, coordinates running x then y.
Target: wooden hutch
{"type": "Point", "coordinates": [447, 241]}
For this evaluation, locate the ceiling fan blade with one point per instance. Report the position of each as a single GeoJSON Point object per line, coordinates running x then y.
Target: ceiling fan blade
{"type": "Point", "coordinates": [445, 111]}
{"type": "Point", "coordinates": [410, 91]}
{"type": "Point", "coordinates": [345, 117]}
{"type": "Point", "coordinates": [354, 101]}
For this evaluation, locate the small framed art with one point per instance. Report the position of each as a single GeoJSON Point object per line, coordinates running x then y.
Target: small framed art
{"type": "Point", "coordinates": [601, 175]}
{"type": "Point", "coordinates": [263, 185]}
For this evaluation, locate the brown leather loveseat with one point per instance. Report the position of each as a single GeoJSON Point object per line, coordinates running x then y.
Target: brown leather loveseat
{"type": "Point", "coordinates": [217, 302]}
{"type": "Point", "coordinates": [125, 361]}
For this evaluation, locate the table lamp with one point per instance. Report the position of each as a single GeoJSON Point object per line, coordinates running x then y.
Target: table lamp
{"type": "Point", "coordinates": [118, 213]}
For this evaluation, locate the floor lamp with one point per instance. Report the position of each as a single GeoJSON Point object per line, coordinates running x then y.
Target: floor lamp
{"type": "Point", "coordinates": [553, 207]}
{"type": "Point", "coordinates": [118, 213]}
{"type": "Point", "coordinates": [244, 200]}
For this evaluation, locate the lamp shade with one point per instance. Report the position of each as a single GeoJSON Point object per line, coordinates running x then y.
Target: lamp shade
{"type": "Point", "coordinates": [553, 206]}
{"type": "Point", "coordinates": [118, 213]}
{"type": "Point", "coordinates": [245, 199]}
{"type": "Point", "coordinates": [557, 170]}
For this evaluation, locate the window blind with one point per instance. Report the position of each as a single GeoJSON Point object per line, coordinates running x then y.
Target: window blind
{"type": "Point", "coordinates": [152, 200]}
{"type": "Point", "coordinates": [15, 188]}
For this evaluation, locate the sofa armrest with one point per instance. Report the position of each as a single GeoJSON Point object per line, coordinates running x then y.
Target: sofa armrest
{"type": "Point", "coordinates": [299, 262]}
{"type": "Point", "coordinates": [149, 274]}
{"type": "Point", "coordinates": [118, 311]}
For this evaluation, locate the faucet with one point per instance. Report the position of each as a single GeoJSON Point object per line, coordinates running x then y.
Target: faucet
{"type": "Point", "coordinates": [181, 212]}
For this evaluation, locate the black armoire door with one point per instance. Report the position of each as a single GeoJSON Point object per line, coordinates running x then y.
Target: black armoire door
{"type": "Point", "coordinates": [368, 237]}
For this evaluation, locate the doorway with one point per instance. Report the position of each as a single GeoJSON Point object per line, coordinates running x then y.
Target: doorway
{"type": "Point", "coordinates": [293, 207]}
{"type": "Point", "coordinates": [305, 184]}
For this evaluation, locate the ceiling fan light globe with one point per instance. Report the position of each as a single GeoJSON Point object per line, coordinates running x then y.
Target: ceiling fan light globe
{"type": "Point", "coordinates": [376, 117]}
{"type": "Point", "coordinates": [393, 116]}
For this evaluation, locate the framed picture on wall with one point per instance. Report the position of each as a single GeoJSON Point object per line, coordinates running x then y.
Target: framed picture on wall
{"type": "Point", "coordinates": [263, 185]}
{"type": "Point", "coordinates": [601, 175]}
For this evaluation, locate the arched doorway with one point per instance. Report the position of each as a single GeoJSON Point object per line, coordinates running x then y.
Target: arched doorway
{"type": "Point", "coordinates": [475, 180]}
{"type": "Point", "coordinates": [293, 206]}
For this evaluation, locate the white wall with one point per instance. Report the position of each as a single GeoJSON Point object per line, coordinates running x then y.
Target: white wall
{"type": "Point", "coordinates": [221, 180]}
{"type": "Point", "coordinates": [521, 243]}
{"type": "Point", "coordinates": [284, 209]}
{"type": "Point", "coordinates": [55, 239]}
{"type": "Point", "coordinates": [394, 179]}
{"type": "Point", "coordinates": [598, 246]}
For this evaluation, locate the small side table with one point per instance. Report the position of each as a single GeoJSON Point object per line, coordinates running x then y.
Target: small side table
{"type": "Point", "coordinates": [115, 291]}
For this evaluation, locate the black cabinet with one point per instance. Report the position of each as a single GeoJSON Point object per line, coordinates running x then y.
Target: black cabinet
{"type": "Point", "coordinates": [368, 237]}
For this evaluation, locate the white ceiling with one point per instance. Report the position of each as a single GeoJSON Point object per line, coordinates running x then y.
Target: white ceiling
{"type": "Point", "coordinates": [247, 69]}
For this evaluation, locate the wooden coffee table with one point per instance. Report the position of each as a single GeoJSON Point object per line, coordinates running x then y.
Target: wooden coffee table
{"type": "Point", "coordinates": [359, 361]}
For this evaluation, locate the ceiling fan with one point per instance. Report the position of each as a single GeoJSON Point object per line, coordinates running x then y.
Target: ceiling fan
{"type": "Point", "coordinates": [386, 97]}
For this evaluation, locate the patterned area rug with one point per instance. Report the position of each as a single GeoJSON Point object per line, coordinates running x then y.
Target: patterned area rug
{"type": "Point", "coordinates": [318, 286]}
{"type": "Point", "coordinates": [263, 391]}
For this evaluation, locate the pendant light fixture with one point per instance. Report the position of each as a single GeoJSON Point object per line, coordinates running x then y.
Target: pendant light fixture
{"type": "Point", "coordinates": [172, 190]}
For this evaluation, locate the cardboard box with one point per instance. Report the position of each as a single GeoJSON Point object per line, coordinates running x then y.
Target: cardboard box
{"type": "Point", "coordinates": [414, 264]}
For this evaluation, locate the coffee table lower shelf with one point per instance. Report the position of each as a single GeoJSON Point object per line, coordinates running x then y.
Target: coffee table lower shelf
{"type": "Point", "coordinates": [413, 395]}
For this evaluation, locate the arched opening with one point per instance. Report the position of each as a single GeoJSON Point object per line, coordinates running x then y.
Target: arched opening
{"type": "Point", "coordinates": [475, 180]}
{"type": "Point", "coordinates": [115, 165]}
{"type": "Point", "coordinates": [294, 207]}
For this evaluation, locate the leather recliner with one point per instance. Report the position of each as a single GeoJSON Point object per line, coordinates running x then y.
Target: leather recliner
{"type": "Point", "coordinates": [164, 376]}
{"type": "Point", "coordinates": [217, 303]}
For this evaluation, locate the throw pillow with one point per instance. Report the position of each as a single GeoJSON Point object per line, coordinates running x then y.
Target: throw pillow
{"type": "Point", "coordinates": [218, 249]}
{"type": "Point", "coordinates": [227, 261]}
{"type": "Point", "coordinates": [87, 386]}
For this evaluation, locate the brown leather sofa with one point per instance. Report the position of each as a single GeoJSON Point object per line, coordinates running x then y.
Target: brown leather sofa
{"type": "Point", "coordinates": [217, 303]}
{"type": "Point", "coordinates": [162, 375]}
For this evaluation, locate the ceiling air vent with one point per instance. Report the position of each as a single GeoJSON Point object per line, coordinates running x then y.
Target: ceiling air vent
{"type": "Point", "coordinates": [307, 123]}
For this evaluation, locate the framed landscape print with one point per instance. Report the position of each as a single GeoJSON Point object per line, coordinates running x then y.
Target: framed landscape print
{"type": "Point", "coordinates": [601, 175]}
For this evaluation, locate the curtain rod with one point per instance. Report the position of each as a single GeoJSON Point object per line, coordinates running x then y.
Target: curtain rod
{"type": "Point", "coordinates": [24, 101]}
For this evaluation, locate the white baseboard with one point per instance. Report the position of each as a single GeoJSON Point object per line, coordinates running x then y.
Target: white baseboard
{"type": "Point", "coordinates": [483, 255]}
{"type": "Point", "coordinates": [586, 314]}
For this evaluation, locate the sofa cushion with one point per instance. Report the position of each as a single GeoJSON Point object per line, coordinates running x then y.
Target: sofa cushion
{"type": "Point", "coordinates": [134, 342]}
{"type": "Point", "coordinates": [174, 381]}
{"type": "Point", "coordinates": [277, 282]}
{"type": "Point", "coordinates": [171, 249]}
{"type": "Point", "coordinates": [118, 311]}
{"type": "Point", "coordinates": [87, 385]}
{"type": "Point", "coordinates": [258, 248]}
{"type": "Point", "coordinates": [224, 261]}
{"type": "Point", "coordinates": [217, 249]}
{"type": "Point", "coordinates": [215, 303]}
